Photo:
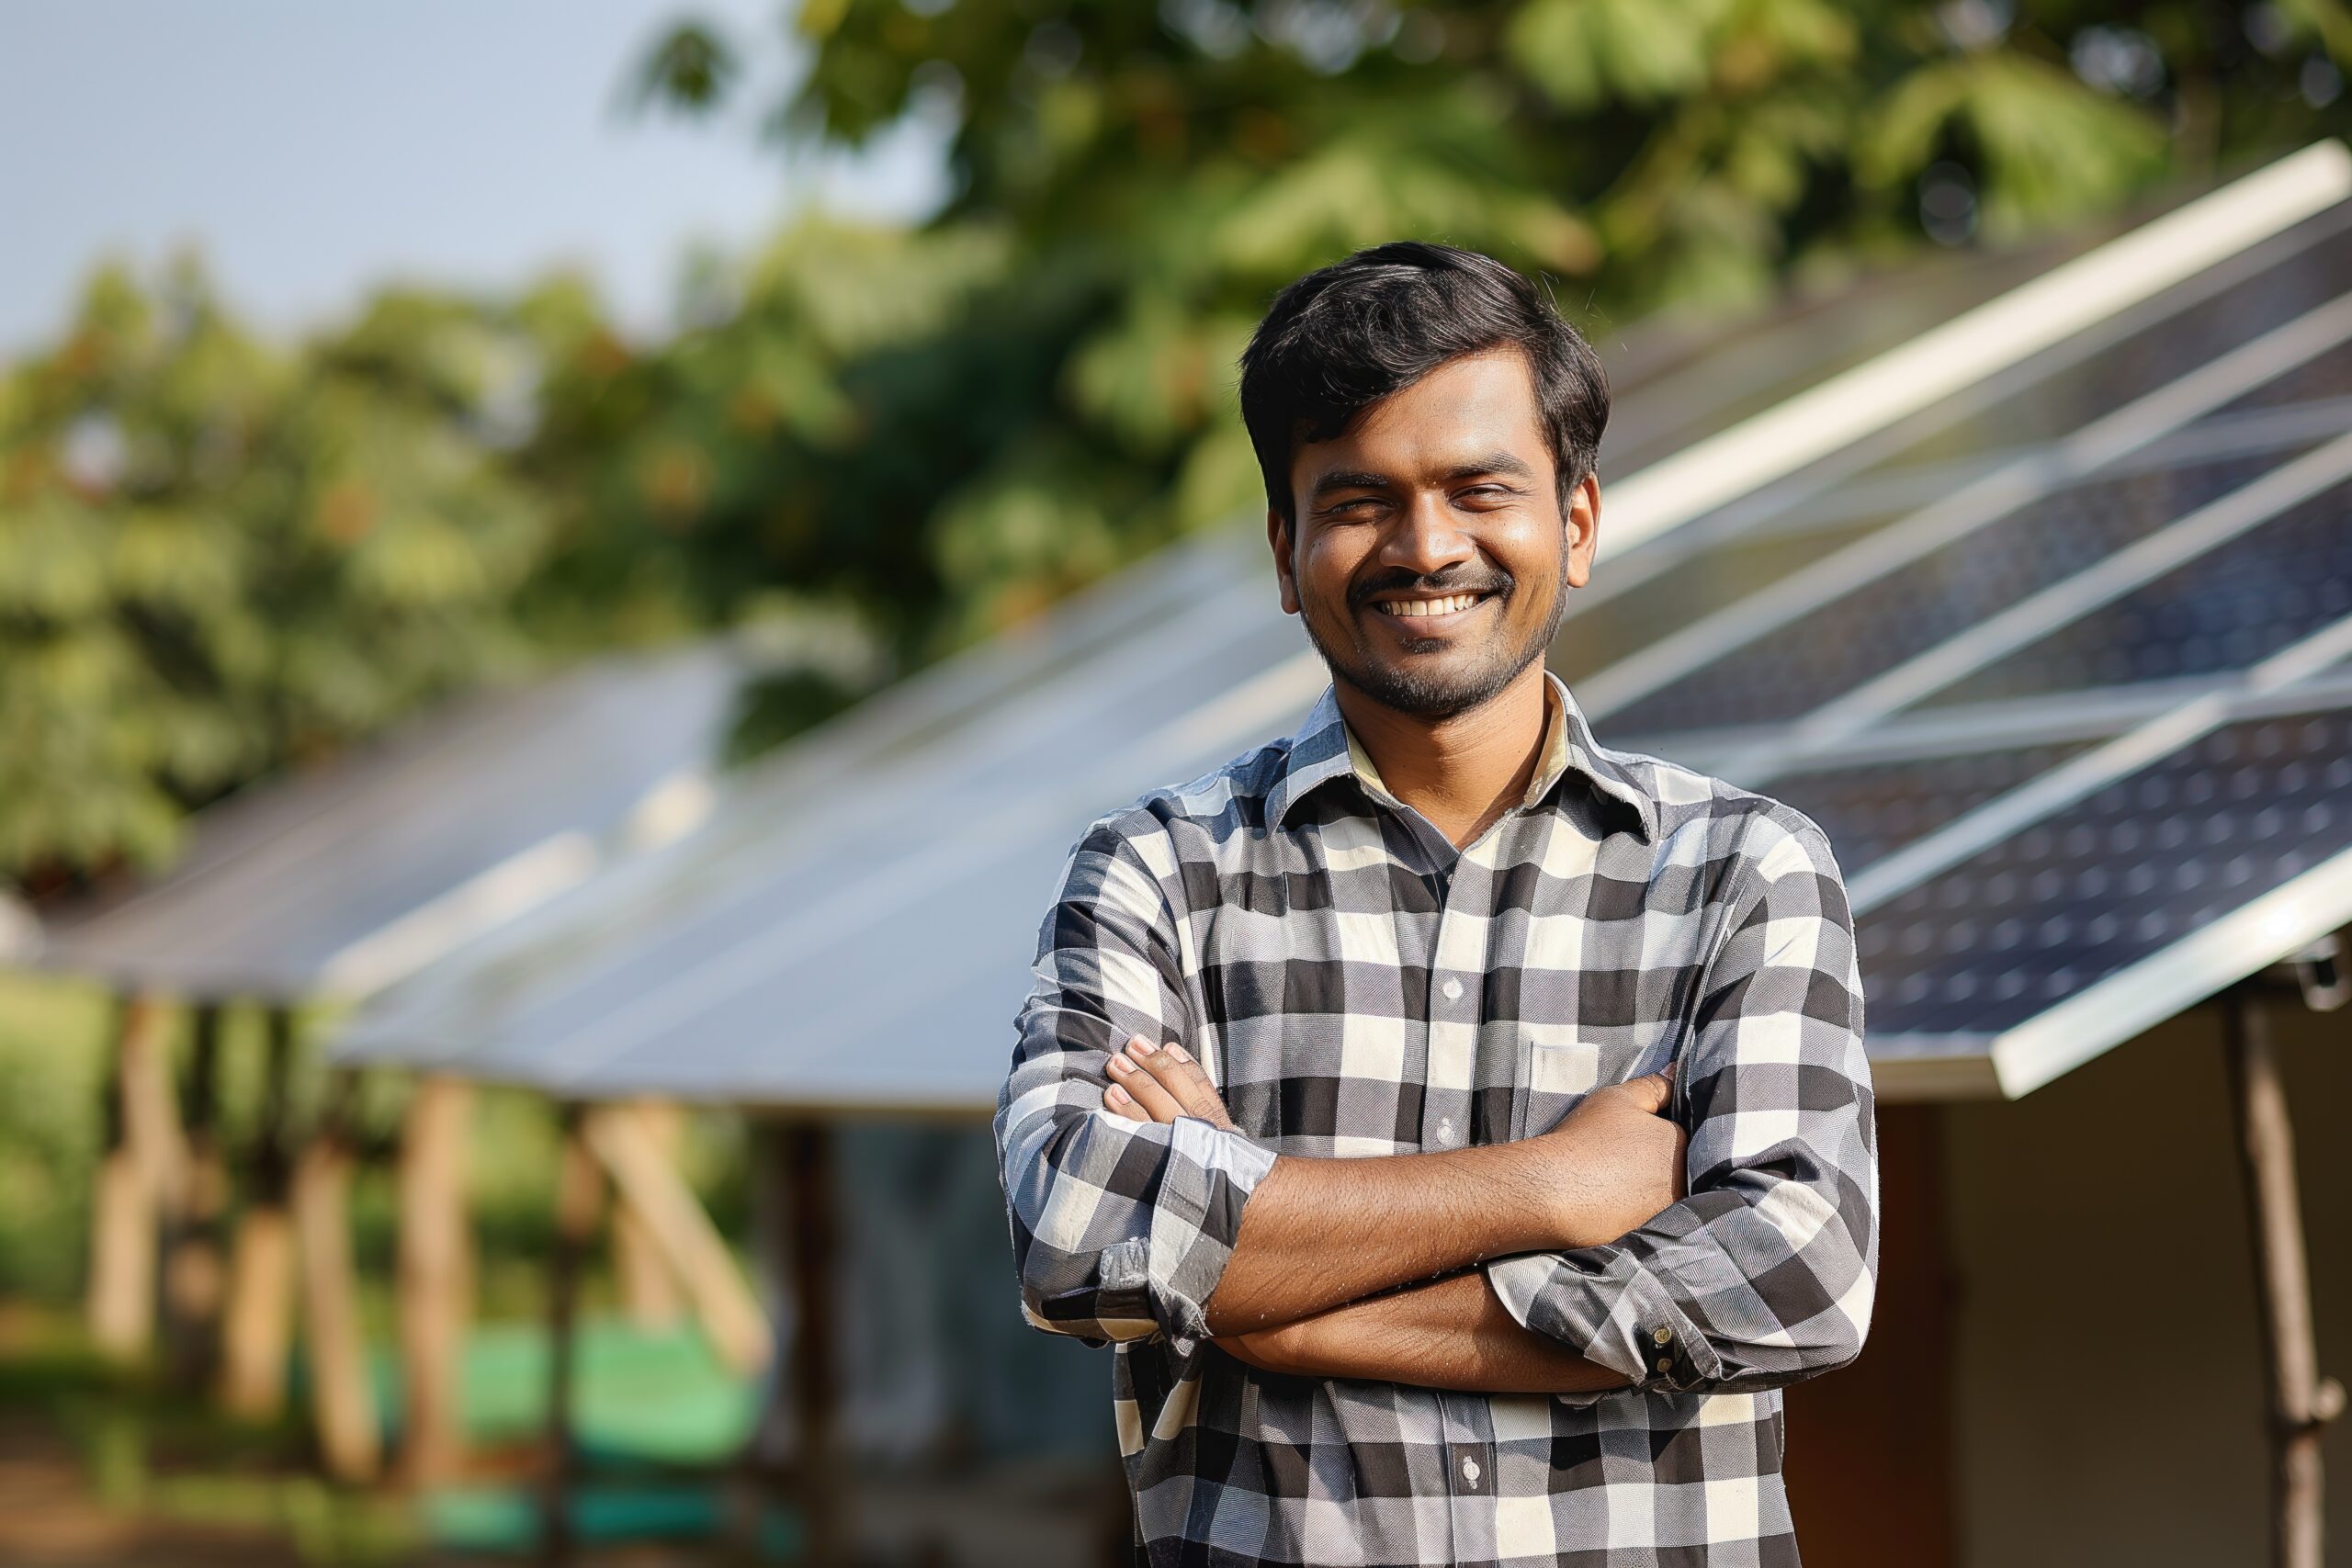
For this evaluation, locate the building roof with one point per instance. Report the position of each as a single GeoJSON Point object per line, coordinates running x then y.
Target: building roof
{"type": "Point", "coordinates": [340, 879]}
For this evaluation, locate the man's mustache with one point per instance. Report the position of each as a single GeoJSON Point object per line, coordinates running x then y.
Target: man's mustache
{"type": "Point", "coordinates": [1365, 593]}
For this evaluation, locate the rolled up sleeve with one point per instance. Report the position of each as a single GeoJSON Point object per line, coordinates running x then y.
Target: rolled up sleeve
{"type": "Point", "coordinates": [1764, 1274]}
{"type": "Point", "coordinates": [1120, 1229]}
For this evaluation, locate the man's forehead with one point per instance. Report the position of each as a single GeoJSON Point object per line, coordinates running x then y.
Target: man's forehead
{"type": "Point", "coordinates": [1460, 414]}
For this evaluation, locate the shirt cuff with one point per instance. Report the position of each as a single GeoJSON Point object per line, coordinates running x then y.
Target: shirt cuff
{"type": "Point", "coordinates": [1603, 1304]}
{"type": "Point", "coordinates": [1208, 1175]}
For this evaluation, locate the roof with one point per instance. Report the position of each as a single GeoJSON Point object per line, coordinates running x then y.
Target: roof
{"type": "Point", "coordinates": [341, 879]}
{"type": "Point", "coordinates": [1956, 599]}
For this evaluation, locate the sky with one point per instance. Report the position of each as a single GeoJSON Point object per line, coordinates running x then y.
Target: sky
{"type": "Point", "coordinates": [310, 149]}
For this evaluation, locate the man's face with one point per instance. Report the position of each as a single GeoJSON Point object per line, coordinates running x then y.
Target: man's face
{"type": "Point", "coordinates": [1431, 559]}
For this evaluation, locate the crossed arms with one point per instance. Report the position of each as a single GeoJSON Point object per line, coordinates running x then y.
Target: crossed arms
{"type": "Point", "coordinates": [1597, 1258]}
{"type": "Point", "coordinates": [1307, 1290]}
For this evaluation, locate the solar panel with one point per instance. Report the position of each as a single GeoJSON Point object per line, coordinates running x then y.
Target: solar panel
{"type": "Point", "coordinates": [2221, 612]}
{"type": "Point", "coordinates": [345, 877]}
{"type": "Point", "coordinates": [2326, 376]}
{"type": "Point", "coordinates": [1620, 611]}
{"type": "Point", "coordinates": [1871, 810]}
{"type": "Point", "coordinates": [2112, 880]}
{"type": "Point", "coordinates": [2195, 324]}
{"type": "Point", "coordinates": [1900, 614]}
{"type": "Point", "coordinates": [1718, 645]}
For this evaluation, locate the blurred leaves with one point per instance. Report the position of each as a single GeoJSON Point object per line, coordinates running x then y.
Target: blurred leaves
{"type": "Point", "coordinates": [215, 557]}
{"type": "Point", "coordinates": [690, 69]}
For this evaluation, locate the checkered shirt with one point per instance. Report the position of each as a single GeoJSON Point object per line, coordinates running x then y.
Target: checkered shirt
{"type": "Point", "coordinates": [1356, 985]}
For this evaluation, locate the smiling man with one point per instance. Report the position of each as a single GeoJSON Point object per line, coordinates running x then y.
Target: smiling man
{"type": "Point", "coordinates": [1462, 1129]}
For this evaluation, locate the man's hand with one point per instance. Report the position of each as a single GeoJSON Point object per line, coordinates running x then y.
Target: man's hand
{"type": "Point", "coordinates": [1451, 1332]}
{"type": "Point", "coordinates": [1160, 1083]}
{"type": "Point", "coordinates": [1618, 1160]}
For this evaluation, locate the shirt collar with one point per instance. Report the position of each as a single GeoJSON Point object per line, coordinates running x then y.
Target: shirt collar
{"type": "Point", "coordinates": [1323, 747]}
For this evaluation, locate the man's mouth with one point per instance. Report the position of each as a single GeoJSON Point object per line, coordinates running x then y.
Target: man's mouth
{"type": "Point", "coordinates": [1426, 612]}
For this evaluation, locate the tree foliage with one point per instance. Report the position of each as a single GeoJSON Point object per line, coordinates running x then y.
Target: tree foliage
{"type": "Point", "coordinates": [215, 556]}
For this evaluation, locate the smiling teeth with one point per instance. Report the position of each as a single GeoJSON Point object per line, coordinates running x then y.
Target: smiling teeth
{"type": "Point", "coordinates": [1415, 607]}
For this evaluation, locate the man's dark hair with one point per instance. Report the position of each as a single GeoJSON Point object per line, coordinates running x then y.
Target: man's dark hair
{"type": "Point", "coordinates": [1352, 332]}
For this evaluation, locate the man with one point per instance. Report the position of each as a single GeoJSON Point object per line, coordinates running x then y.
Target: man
{"type": "Point", "coordinates": [1463, 1129]}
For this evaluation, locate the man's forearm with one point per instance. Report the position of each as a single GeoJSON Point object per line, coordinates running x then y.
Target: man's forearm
{"type": "Point", "coordinates": [1320, 1232]}
{"type": "Point", "coordinates": [1451, 1334]}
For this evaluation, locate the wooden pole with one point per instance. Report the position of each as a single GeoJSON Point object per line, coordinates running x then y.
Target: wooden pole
{"type": "Point", "coordinates": [2300, 1402]}
{"type": "Point", "coordinates": [257, 1323]}
{"type": "Point", "coordinates": [194, 1277]}
{"type": "Point", "coordinates": [150, 1114]}
{"type": "Point", "coordinates": [578, 1199]}
{"type": "Point", "coordinates": [132, 1180]}
{"type": "Point", "coordinates": [808, 1161]}
{"type": "Point", "coordinates": [342, 1401]}
{"type": "Point", "coordinates": [648, 1290]}
{"type": "Point", "coordinates": [674, 1220]}
{"type": "Point", "coordinates": [436, 1276]}
{"type": "Point", "coordinates": [767, 1459]}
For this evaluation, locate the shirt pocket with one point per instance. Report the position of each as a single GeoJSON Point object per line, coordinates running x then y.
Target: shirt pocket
{"type": "Point", "coordinates": [1559, 1065]}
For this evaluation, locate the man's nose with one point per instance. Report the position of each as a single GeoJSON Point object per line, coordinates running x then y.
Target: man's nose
{"type": "Point", "coordinates": [1426, 537]}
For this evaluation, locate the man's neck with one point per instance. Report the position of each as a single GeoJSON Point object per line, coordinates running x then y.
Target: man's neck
{"type": "Point", "coordinates": [1465, 770]}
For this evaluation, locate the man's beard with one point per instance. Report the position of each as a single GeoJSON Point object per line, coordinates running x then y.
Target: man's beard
{"type": "Point", "coordinates": [1435, 694]}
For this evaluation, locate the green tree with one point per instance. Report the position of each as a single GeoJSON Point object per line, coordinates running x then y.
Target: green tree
{"type": "Point", "coordinates": [216, 556]}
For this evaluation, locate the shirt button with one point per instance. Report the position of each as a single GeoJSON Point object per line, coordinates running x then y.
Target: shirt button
{"type": "Point", "coordinates": [1445, 1131]}
{"type": "Point", "coordinates": [1662, 1336]}
{"type": "Point", "coordinates": [1665, 1364]}
{"type": "Point", "coordinates": [1453, 989]}
{"type": "Point", "coordinates": [1469, 1470]}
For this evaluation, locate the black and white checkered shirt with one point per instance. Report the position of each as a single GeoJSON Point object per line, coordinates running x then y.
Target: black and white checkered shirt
{"type": "Point", "coordinates": [1356, 985]}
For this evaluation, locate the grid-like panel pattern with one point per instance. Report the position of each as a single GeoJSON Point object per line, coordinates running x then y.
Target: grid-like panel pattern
{"type": "Point", "coordinates": [1879, 624]}
{"type": "Point", "coordinates": [1872, 810]}
{"type": "Point", "coordinates": [2221, 611]}
{"type": "Point", "coordinates": [2111, 880]}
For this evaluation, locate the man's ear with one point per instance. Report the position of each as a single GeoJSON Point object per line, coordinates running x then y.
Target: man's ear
{"type": "Point", "coordinates": [1583, 524]}
{"type": "Point", "coordinates": [1279, 536]}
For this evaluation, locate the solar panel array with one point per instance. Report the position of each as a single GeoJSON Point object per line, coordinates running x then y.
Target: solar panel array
{"type": "Point", "coordinates": [2084, 705]}
{"type": "Point", "coordinates": [2058, 661]}
{"type": "Point", "coordinates": [339, 879]}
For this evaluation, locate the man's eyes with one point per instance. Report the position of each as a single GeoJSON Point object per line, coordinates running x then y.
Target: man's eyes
{"type": "Point", "coordinates": [1479, 495]}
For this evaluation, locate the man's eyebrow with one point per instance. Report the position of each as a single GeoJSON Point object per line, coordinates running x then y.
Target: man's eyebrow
{"type": "Point", "coordinates": [1496, 462]}
{"type": "Point", "coordinates": [1348, 479]}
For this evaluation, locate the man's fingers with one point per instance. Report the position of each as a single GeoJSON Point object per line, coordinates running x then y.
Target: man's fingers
{"type": "Point", "coordinates": [1128, 1074]}
{"type": "Point", "coordinates": [1120, 1102]}
{"type": "Point", "coordinates": [1173, 1067]}
{"type": "Point", "coordinates": [1650, 1093]}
